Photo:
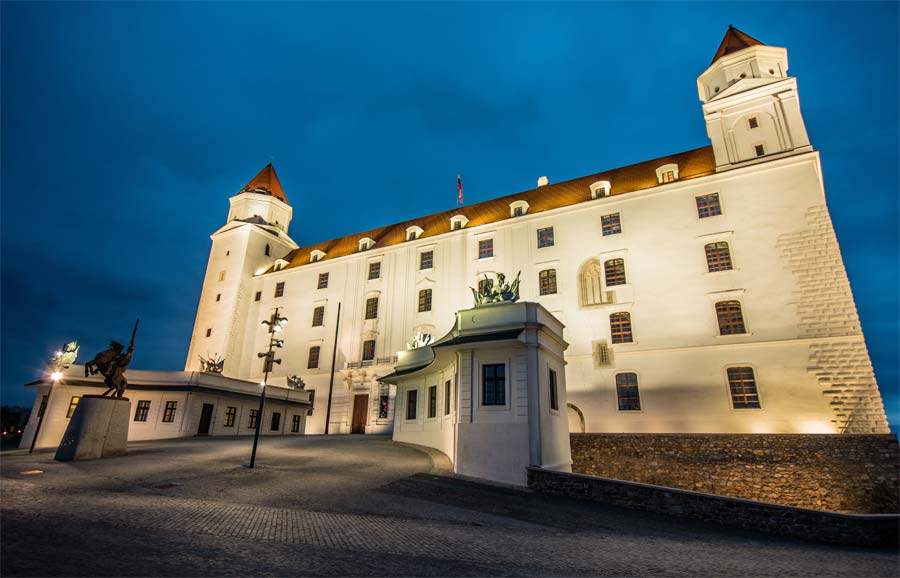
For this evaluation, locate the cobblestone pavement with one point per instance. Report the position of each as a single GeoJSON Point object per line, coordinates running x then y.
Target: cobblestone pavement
{"type": "Point", "coordinates": [351, 505]}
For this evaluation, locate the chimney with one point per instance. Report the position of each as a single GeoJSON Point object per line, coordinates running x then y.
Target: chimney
{"type": "Point", "coordinates": [543, 181]}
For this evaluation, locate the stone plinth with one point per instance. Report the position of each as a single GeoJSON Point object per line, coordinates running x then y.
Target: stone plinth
{"type": "Point", "coordinates": [98, 429]}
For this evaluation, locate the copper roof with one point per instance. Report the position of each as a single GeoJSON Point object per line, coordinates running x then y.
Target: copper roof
{"type": "Point", "coordinates": [691, 164]}
{"type": "Point", "coordinates": [733, 41]}
{"type": "Point", "coordinates": [265, 182]}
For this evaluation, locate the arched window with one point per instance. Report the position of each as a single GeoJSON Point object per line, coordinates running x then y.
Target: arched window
{"type": "Point", "coordinates": [718, 257]}
{"type": "Point", "coordinates": [731, 319]}
{"type": "Point", "coordinates": [615, 272]}
{"type": "Point", "coordinates": [576, 419]}
{"type": "Point", "coordinates": [627, 393]}
{"type": "Point", "coordinates": [589, 281]}
{"type": "Point", "coordinates": [620, 327]}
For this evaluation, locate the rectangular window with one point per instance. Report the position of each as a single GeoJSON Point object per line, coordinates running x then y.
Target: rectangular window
{"type": "Point", "coordinates": [368, 350]}
{"type": "Point", "coordinates": [718, 257]}
{"type": "Point", "coordinates": [742, 384]}
{"type": "Point", "coordinates": [545, 237]}
{"type": "Point", "coordinates": [312, 362]}
{"type": "Point", "coordinates": [253, 417]}
{"type": "Point", "coordinates": [73, 403]}
{"type": "Point", "coordinates": [554, 393]}
{"type": "Point", "coordinates": [519, 211]}
{"type": "Point", "coordinates": [426, 260]}
{"type": "Point", "coordinates": [627, 392]}
{"type": "Point", "coordinates": [753, 122]}
{"type": "Point", "coordinates": [318, 319]}
{"type": "Point", "coordinates": [375, 270]}
{"type": "Point", "coordinates": [221, 275]}
{"type": "Point", "coordinates": [447, 397]}
{"type": "Point", "coordinates": [218, 297]}
{"type": "Point", "coordinates": [493, 384]}
{"type": "Point", "coordinates": [730, 317]}
{"type": "Point", "coordinates": [142, 409]}
{"type": "Point", "coordinates": [611, 224]}
{"type": "Point", "coordinates": [760, 150]}
{"type": "Point", "coordinates": [620, 327]}
{"type": "Point", "coordinates": [258, 296]}
{"type": "Point", "coordinates": [295, 424]}
{"type": "Point", "coordinates": [323, 281]}
{"type": "Point", "coordinates": [169, 412]}
{"type": "Point", "coordinates": [668, 177]}
{"type": "Point", "coordinates": [457, 225]}
{"type": "Point", "coordinates": [547, 281]}
{"type": "Point", "coordinates": [432, 401]}
{"type": "Point", "coordinates": [412, 400]}
{"type": "Point", "coordinates": [230, 415]}
{"type": "Point", "coordinates": [708, 206]}
{"type": "Point", "coordinates": [424, 300]}
{"type": "Point", "coordinates": [384, 401]}
{"type": "Point", "coordinates": [372, 308]}
{"type": "Point", "coordinates": [485, 248]}
{"type": "Point", "coordinates": [208, 331]}
{"type": "Point", "coordinates": [279, 289]}
{"type": "Point", "coordinates": [276, 421]}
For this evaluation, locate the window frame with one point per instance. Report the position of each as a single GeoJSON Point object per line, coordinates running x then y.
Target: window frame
{"type": "Point", "coordinates": [616, 275]}
{"type": "Point", "coordinates": [637, 390]}
{"type": "Point", "coordinates": [73, 404]}
{"type": "Point", "coordinates": [621, 330]}
{"type": "Point", "coordinates": [365, 346]}
{"type": "Point", "coordinates": [544, 239]}
{"type": "Point", "coordinates": [295, 423]}
{"type": "Point", "coordinates": [424, 300]}
{"type": "Point", "coordinates": [611, 224]}
{"type": "Point", "coordinates": [486, 248]}
{"type": "Point", "coordinates": [715, 261]}
{"type": "Point", "coordinates": [322, 282]}
{"type": "Point", "coordinates": [230, 416]}
{"type": "Point", "coordinates": [374, 269]}
{"type": "Point", "coordinates": [141, 410]}
{"type": "Point", "coordinates": [448, 390]}
{"type": "Point", "coordinates": [258, 296]}
{"type": "Point", "coordinates": [252, 418]}
{"type": "Point", "coordinates": [738, 322]}
{"type": "Point", "coordinates": [371, 308]}
{"type": "Point", "coordinates": [705, 205]}
{"type": "Point", "coordinates": [313, 356]}
{"type": "Point", "coordinates": [430, 260]}
{"type": "Point", "coordinates": [279, 289]}
{"type": "Point", "coordinates": [318, 316]}
{"type": "Point", "coordinates": [553, 387]}
{"type": "Point", "coordinates": [412, 403]}
{"type": "Point", "coordinates": [547, 282]}
{"type": "Point", "coordinates": [740, 383]}
{"type": "Point", "coordinates": [432, 402]}
{"type": "Point", "coordinates": [275, 421]}
{"type": "Point", "coordinates": [498, 397]}
{"type": "Point", "coordinates": [169, 411]}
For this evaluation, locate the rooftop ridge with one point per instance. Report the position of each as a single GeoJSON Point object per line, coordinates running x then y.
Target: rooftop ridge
{"type": "Point", "coordinates": [733, 41]}
{"type": "Point", "coordinates": [266, 181]}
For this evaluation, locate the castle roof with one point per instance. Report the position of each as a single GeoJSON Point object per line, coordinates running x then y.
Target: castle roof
{"type": "Point", "coordinates": [691, 164]}
{"type": "Point", "coordinates": [266, 183]}
{"type": "Point", "coordinates": [733, 41]}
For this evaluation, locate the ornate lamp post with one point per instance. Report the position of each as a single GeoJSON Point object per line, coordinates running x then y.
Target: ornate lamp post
{"type": "Point", "coordinates": [275, 324]}
{"type": "Point", "coordinates": [62, 359]}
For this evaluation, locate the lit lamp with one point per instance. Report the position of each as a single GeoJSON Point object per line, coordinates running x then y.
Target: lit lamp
{"type": "Point", "coordinates": [55, 377]}
{"type": "Point", "coordinates": [275, 324]}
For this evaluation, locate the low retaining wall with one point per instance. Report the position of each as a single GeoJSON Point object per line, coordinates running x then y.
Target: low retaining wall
{"type": "Point", "coordinates": [840, 473]}
{"type": "Point", "coordinates": [851, 529]}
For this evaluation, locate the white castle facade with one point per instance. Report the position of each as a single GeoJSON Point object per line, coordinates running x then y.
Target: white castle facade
{"type": "Point", "coordinates": [700, 292]}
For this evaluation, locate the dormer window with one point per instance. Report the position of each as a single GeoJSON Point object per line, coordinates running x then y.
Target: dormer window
{"type": "Point", "coordinates": [600, 189]}
{"type": "Point", "coordinates": [366, 243]}
{"type": "Point", "coordinates": [458, 222]}
{"type": "Point", "coordinates": [316, 255]}
{"type": "Point", "coordinates": [667, 173]}
{"type": "Point", "coordinates": [413, 233]}
{"type": "Point", "coordinates": [280, 264]}
{"type": "Point", "coordinates": [518, 208]}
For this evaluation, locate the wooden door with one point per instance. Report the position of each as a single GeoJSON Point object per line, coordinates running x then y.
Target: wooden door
{"type": "Point", "coordinates": [360, 414]}
{"type": "Point", "coordinates": [205, 419]}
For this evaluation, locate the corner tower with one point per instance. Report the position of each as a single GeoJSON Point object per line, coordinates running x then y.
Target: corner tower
{"type": "Point", "coordinates": [750, 104]}
{"type": "Point", "coordinates": [254, 235]}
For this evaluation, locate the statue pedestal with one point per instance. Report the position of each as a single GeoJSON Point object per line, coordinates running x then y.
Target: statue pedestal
{"type": "Point", "coordinates": [97, 429]}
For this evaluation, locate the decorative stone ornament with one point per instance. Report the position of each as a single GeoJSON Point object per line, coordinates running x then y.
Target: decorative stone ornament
{"type": "Point", "coordinates": [214, 364]}
{"type": "Point", "coordinates": [420, 339]}
{"type": "Point", "coordinates": [496, 292]}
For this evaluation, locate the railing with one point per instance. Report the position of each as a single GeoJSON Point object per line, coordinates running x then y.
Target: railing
{"type": "Point", "coordinates": [372, 362]}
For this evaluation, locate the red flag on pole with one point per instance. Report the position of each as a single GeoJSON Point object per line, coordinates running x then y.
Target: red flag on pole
{"type": "Point", "coordinates": [459, 190]}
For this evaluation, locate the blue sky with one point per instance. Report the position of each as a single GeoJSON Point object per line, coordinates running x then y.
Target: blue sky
{"type": "Point", "coordinates": [127, 126]}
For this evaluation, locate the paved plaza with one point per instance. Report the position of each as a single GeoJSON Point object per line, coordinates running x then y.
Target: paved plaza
{"type": "Point", "coordinates": [351, 505]}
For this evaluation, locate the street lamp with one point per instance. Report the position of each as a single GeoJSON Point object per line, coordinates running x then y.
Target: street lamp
{"type": "Point", "coordinates": [55, 378]}
{"type": "Point", "coordinates": [275, 324]}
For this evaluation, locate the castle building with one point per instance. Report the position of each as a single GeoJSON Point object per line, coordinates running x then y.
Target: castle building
{"type": "Point", "coordinates": [703, 291]}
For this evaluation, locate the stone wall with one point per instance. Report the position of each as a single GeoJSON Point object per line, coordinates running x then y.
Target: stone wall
{"type": "Point", "coordinates": [839, 473]}
{"type": "Point", "coordinates": [870, 530]}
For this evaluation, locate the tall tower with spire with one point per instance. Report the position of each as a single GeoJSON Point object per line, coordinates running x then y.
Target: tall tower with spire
{"type": "Point", "coordinates": [254, 236]}
{"type": "Point", "coordinates": [750, 104]}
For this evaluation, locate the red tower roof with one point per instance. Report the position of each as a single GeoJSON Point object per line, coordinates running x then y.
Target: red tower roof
{"type": "Point", "coordinates": [266, 182]}
{"type": "Point", "coordinates": [733, 41]}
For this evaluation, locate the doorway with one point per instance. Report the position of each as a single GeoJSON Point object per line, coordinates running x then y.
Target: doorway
{"type": "Point", "coordinates": [360, 414]}
{"type": "Point", "coordinates": [205, 419]}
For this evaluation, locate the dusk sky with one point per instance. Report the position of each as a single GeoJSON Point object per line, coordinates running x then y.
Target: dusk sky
{"type": "Point", "coordinates": [126, 127]}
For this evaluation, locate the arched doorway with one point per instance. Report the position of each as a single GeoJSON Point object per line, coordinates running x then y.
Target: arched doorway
{"type": "Point", "coordinates": [576, 419]}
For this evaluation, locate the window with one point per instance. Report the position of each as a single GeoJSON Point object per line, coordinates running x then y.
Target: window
{"type": "Point", "coordinates": [312, 361]}
{"type": "Point", "coordinates": [142, 409]}
{"type": "Point", "coordinates": [426, 260]}
{"type": "Point", "coordinates": [227, 253]}
{"type": "Point", "coordinates": [413, 233]}
{"type": "Point", "coordinates": [615, 272]}
{"type": "Point", "coordinates": [384, 401]}
{"type": "Point", "coordinates": [627, 392]}
{"type": "Point", "coordinates": [295, 424]}
{"type": "Point", "coordinates": [365, 244]}
{"type": "Point", "coordinates": [73, 403]}
{"type": "Point", "coordinates": [545, 237]}
{"type": "Point", "coordinates": [276, 421]}
{"type": "Point", "coordinates": [708, 206]}
{"type": "Point", "coordinates": [611, 224]}
{"type": "Point", "coordinates": [485, 248]}
{"type": "Point", "coordinates": [230, 415]}
{"type": "Point", "coordinates": [591, 289]}
{"type": "Point", "coordinates": [760, 150]}
{"type": "Point", "coordinates": [432, 401]}
{"type": "Point", "coordinates": [253, 418]}
{"type": "Point", "coordinates": [258, 296]}
{"type": "Point", "coordinates": [667, 177]}
{"type": "Point", "coordinates": [323, 281]}
{"type": "Point", "coordinates": [221, 275]}
{"type": "Point", "coordinates": [318, 316]}
{"type": "Point", "coordinates": [447, 397]}
{"type": "Point", "coordinates": [600, 189]}
{"type": "Point", "coordinates": [742, 384]}
{"type": "Point", "coordinates": [169, 412]}
{"type": "Point", "coordinates": [375, 270]}
{"type": "Point", "coordinates": [753, 122]}
{"type": "Point", "coordinates": [457, 222]}
{"type": "Point", "coordinates": [372, 308]}
{"type": "Point", "coordinates": [620, 327]}
{"type": "Point", "coordinates": [279, 289]}
{"type": "Point", "coordinates": [218, 297]}
{"type": "Point", "coordinates": [412, 400]}
{"type": "Point", "coordinates": [457, 225]}
{"type": "Point", "coordinates": [368, 350]}
{"type": "Point", "coordinates": [602, 356]}
{"type": "Point", "coordinates": [718, 257]}
{"type": "Point", "coordinates": [316, 255]}
{"type": "Point", "coordinates": [208, 331]}
{"type": "Point", "coordinates": [518, 211]}
{"type": "Point", "coordinates": [554, 394]}
{"type": "Point", "coordinates": [547, 281]}
{"type": "Point", "coordinates": [424, 300]}
{"type": "Point", "coordinates": [518, 208]}
{"type": "Point", "coordinates": [731, 319]}
{"type": "Point", "coordinates": [268, 250]}
{"type": "Point", "coordinates": [493, 384]}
